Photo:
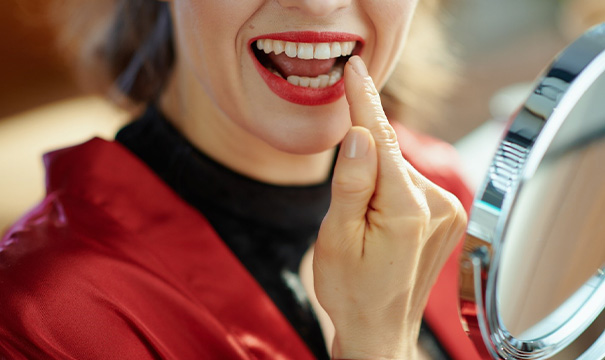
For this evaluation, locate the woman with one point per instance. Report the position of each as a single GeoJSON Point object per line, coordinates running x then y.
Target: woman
{"type": "Point", "coordinates": [186, 237]}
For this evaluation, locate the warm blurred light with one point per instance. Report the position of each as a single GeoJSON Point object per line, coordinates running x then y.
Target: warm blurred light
{"type": "Point", "coordinates": [26, 136]}
{"type": "Point", "coordinates": [580, 15]}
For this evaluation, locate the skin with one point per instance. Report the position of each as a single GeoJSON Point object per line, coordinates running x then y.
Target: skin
{"type": "Point", "coordinates": [385, 238]}
{"type": "Point", "coordinates": [389, 230]}
{"type": "Point", "coordinates": [219, 101]}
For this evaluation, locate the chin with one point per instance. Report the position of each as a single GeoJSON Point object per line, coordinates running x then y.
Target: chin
{"type": "Point", "coordinates": [301, 130]}
{"type": "Point", "coordinates": [308, 147]}
{"type": "Point", "coordinates": [309, 141]}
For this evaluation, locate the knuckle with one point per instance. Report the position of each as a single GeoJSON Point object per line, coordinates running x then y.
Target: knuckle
{"type": "Point", "coordinates": [460, 218]}
{"type": "Point", "coordinates": [420, 204]}
{"type": "Point", "coordinates": [384, 133]}
{"type": "Point", "coordinates": [424, 214]}
{"type": "Point", "coordinates": [441, 210]}
{"type": "Point", "coordinates": [456, 216]}
{"type": "Point", "coordinates": [445, 203]}
{"type": "Point", "coordinates": [456, 207]}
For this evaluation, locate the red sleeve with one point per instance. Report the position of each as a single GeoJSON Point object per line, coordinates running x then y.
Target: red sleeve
{"type": "Point", "coordinates": [51, 307]}
{"type": "Point", "coordinates": [114, 265]}
{"type": "Point", "coordinates": [68, 295]}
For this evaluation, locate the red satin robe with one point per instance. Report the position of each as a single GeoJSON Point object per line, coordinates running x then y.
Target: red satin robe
{"type": "Point", "coordinates": [113, 265]}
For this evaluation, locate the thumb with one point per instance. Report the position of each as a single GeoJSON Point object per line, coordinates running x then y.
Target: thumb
{"type": "Point", "coordinates": [354, 179]}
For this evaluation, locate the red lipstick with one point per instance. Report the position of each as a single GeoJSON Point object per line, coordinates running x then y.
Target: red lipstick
{"type": "Point", "coordinates": [298, 94]}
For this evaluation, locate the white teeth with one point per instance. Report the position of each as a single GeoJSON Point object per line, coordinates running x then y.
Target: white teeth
{"type": "Point", "coordinates": [322, 51]}
{"type": "Point", "coordinates": [291, 49]}
{"type": "Point", "coordinates": [307, 51]}
{"type": "Point", "coordinates": [335, 75]}
{"type": "Point", "coordinates": [294, 80]}
{"type": "Point", "coordinates": [268, 47]}
{"type": "Point", "coordinates": [304, 81]}
{"type": "Point", "coordinates": [322, 81]}
{"type": "Point", "coordinates": [347, 48]}
{"type": "Point", "coordinates": [336, 50]}
{"type": "Point", "coordinates": [278, 46]}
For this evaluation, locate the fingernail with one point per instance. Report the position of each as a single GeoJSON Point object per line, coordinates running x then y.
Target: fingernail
{"type": "Point", "coordinates": [356, 144]}
{"type": "Point", "coordinates": [358, 66]}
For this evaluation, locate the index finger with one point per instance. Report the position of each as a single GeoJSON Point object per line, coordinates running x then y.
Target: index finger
{"type": "Point", "coordinates": [366, 110]}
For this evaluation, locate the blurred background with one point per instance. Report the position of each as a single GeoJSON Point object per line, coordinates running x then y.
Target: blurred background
{"type": "Point", "coordinates": [502, 47]}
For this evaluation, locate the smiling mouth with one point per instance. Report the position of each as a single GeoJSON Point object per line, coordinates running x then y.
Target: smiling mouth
{"type": "Point", "coordinates": [307, 65]}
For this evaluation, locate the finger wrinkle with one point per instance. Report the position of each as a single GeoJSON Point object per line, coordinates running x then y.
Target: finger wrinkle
{"type": "Point", "coordinates": [385, 134]}
{"type": "Point", "coordinates": [369, 87]}
{"type": "Point", "coordinates": [387, 137]}
{"type": "Point", "coordinates": [352, 188]}
{"type": "Point", "coordinates": [377, 104]}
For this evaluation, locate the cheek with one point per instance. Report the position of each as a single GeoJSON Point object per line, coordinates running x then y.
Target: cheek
{"type": "Point", "coordinates": [391, 20]}
{"type": "Point", "coordinates": [207, 30]}
{"type": "Point", "coordinates": [394, 13]}
{"type": "Point", "coordinates": [209, 43]}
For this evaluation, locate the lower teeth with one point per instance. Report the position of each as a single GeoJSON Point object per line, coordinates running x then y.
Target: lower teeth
{"type": "Point", "coordinates": [319, 82]}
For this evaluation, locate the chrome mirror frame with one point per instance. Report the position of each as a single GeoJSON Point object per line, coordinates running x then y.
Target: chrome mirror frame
{"type": "Point", "coordinates": [520, 152]}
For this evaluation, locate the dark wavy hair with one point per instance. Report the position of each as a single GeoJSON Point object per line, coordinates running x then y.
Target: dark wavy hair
{"type": "Point", "coordinates": [139, 49]}
{"type": "Point", "coordinates": [125, 48]}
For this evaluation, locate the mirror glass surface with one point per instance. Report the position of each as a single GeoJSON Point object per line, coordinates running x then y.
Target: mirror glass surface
{"type": "Point", "coordinates": [553, 253]}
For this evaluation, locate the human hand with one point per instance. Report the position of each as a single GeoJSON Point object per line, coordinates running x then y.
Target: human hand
{"type": "Point", "coordinates": [385, 238]}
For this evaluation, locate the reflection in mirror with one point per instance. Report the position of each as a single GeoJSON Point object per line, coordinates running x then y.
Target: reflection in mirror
{"type": "Point", "coordinates": [555, 245]}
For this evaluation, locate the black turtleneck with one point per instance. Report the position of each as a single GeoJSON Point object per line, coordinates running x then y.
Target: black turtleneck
{"type": "Point", "coordinates": [268, 227]}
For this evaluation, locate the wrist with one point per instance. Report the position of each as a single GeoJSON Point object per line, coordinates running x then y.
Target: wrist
{"type": "Point", "coordinates": [375, 345]}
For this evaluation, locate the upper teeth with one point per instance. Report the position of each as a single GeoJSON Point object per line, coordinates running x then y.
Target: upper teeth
{"type": "Point", "coordinates": [306, 51]}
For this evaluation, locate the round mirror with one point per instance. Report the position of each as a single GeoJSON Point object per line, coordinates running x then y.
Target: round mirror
{"type": "Point", "coordinates": [532, 282]}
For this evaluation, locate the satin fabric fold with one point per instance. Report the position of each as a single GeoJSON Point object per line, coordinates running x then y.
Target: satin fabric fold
{"type": "Point", "coordinates": [113, 265]}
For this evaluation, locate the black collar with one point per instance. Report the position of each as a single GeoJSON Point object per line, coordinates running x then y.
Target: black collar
{"type": "Point", "coordinates": [204, 183]}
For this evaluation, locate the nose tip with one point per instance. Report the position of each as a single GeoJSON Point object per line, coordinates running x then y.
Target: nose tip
{"type": "Point", "coordinates": [315, 7]}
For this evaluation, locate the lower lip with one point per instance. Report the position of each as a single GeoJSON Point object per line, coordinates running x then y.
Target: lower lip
{"type": "Point", "coordinates": [298, 94]}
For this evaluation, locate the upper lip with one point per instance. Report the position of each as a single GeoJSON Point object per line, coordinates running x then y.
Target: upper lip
{"type": "Point", "coordinates": [310, 37]}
